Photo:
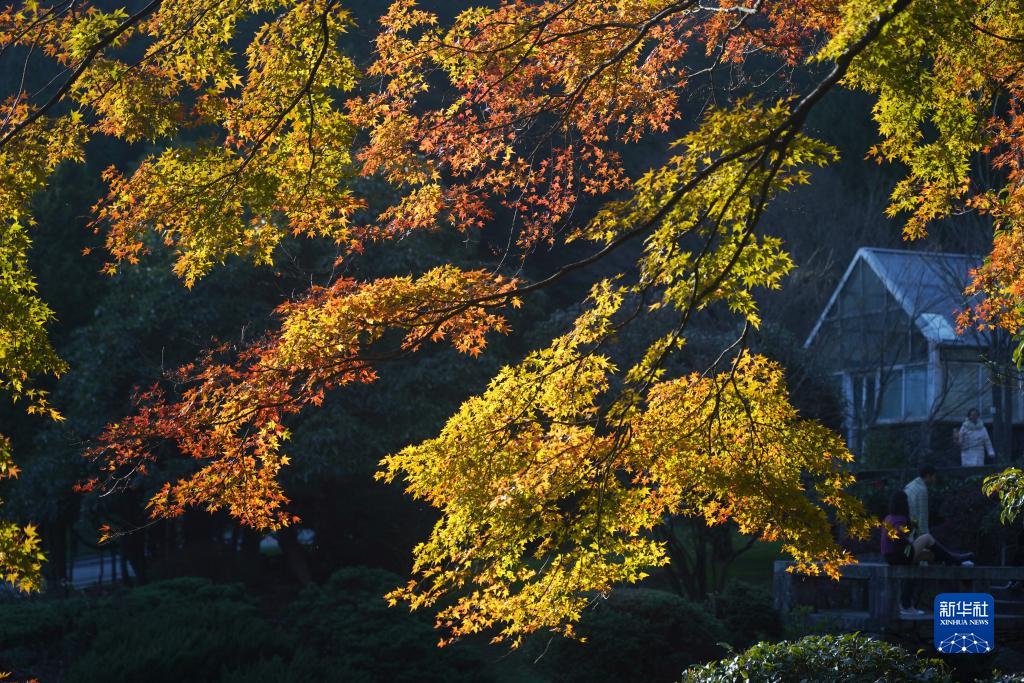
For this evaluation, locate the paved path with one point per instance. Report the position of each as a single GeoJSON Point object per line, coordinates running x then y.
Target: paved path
{"type": "Point", "coordinates": [86, 571]}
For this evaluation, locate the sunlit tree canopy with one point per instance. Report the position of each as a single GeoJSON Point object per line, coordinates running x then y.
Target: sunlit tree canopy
{"type": "Point", "coordinates": [263, 126]}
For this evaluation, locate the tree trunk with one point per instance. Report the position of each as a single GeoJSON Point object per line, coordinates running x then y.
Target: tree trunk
{"type": "Point", "coordinates": [250, 545]}
{"type": "Point", "coordinates": [294, 554]}
{"type": "Point", "coordinates": [55, 569]}
{"type": "Point", "coordinates": [1004, 383]}
{"type": "Point", "coordinates": [133, 544]}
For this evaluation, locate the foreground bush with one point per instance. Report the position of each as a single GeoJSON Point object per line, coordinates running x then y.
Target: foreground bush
{"type": "Point", "coordinates": [850, 658]}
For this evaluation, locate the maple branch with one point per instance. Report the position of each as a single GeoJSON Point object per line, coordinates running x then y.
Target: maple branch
{"type": "Point", "coordinates": [157, 49]}
{"type": "Point", "coordinates": [992, 34]}
{"type": "Point", "coordinates": [306, 87]}
{"type": "Point", "coordinates": [86, 61]}
{"type": "Point", "coordinates": [777, 139]}
{"type": "Point", "coordinates": [47, 16]}
{"type": "Point", "coordinates": [738, 9]}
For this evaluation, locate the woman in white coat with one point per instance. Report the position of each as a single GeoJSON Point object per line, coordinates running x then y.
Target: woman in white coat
{"type": "Point", "coordinates": [974, 441]}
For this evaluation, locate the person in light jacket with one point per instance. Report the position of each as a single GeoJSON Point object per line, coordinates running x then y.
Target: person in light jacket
{"type": "Point", "coordinates": [917, 498]}
{"type": "Point", "coordinates": [974, 441]}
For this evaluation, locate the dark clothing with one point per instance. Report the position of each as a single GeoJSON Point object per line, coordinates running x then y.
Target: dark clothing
{"type": "Point", "coordinates": [898, 551]}
{"type": "Point", "coordinates": [900, 557]}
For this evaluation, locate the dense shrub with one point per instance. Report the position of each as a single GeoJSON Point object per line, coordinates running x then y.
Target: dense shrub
{"type": "Point", "coordinates": [192, 629]}
{"type": "Point", "coordinates": [182, 629]}
{"type": "Point", "coordinates": [32, 621]}
{"type": "Point", "coordinates": [346, 632]}
{"type": "Point", "coordinates": [638, 635]}
{"type": "Point", "coordinates": [748, 614]}
{"type": "Point", "coordinates": [850, 658]}
{"type": "Point", "coordinates": [32, 631]}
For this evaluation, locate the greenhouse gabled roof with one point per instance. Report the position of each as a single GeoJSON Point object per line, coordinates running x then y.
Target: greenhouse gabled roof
{"type": "Point", "coordinates": [929, 287]}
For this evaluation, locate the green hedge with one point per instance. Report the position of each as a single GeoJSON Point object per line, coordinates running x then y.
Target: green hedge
{"type": "Point", "coordinates": [637, 635]}
{"type": "Point", "coordinates": [346, 632]}
{"type": "Point", "coordinates": [849, 658]}
{"type": "Point", "coordinates": [183, 628]}
{"type": "Point", "coordinates": [748, 614]}
{"type": "Point", "coordinates": [195, 630]}
{"type": "Point", "coordinates": [192, 629]}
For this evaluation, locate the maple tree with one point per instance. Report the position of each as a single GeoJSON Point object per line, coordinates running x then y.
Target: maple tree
{"type": "Point", "coordinates": [515, 116]}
